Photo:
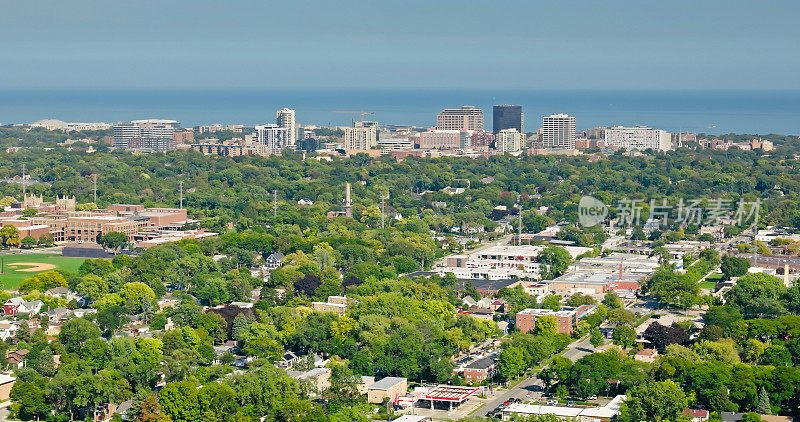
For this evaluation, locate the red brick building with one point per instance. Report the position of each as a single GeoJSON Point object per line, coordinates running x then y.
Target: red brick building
{"type": "Point", "coordinates": [526, 320]}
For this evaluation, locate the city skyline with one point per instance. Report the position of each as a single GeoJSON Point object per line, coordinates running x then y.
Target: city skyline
{"type": "Point", "coordinates": [570, 45]}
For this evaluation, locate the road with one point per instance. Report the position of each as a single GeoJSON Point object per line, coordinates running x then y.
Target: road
{"type": "Point", "coordinates": [533, 384]}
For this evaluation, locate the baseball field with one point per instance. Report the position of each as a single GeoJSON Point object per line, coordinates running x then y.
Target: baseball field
{"type": "Point", "coordinates": [16, 268]}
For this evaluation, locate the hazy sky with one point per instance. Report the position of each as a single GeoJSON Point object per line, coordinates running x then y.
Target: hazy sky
{"type": "Point", "coordinates": [719, 44]}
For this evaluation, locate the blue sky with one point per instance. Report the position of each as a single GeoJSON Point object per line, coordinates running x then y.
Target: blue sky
{"type": "Point", "coordinates": [510, 44]}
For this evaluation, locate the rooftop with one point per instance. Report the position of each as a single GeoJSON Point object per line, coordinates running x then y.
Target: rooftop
{"type": "Point", "coordinates": [386, 383]}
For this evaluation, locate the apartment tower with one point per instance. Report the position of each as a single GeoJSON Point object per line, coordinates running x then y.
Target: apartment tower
{"type": "Point", "coordinates": [558, 131]}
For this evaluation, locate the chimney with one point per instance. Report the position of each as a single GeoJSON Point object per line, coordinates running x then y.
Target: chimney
{"type": "Point", "coordinates": [786, 275]}
{"type": "Point", "coordinates": [348, 205]}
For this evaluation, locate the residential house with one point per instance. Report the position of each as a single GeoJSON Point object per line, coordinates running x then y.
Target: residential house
{"type": "Point", "coordinates": [468, 301]}
{"type": "Point", "coordinates": [696, 415]}
{"type": "Point", "coordinates": [16, 357]}
{"type": "Point", "coordinates": [480, 370]}
{"type": "Point", "coordinates": [61, 292]}
{"type": "Point", "coordinates": [318, 378]}
{"type": "Point", "coordinates": [646, 355]}
{"type": "Point", "coordinates": [58, 315]}
{"type": "Point", "coordinates": [274, 260]}
{"type": "Point", "coordinates": [8, 329]}
{"type": "Point", "coordinates": [498, 305]}
{"type": "Point", "coordinates": [30, 308]}
{"type": "Point", "coordinates": [288, 360]}
{"type": "Point", "coordinates": [12, 305]}
{"type": "Point", "coordinates": [125, 410]}
{"type": "Point", "coordinates": [485, 303]}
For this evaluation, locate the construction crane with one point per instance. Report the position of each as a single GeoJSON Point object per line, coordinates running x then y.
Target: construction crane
{"type": "Point", "coordinates": [362, 112]}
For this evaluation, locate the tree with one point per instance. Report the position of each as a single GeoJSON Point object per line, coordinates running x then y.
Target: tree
{"type": "Point", "coordinates": [240, 323]}
{"type": "Point", "coordinates": [757, 294]}
{"type": "Point", "coordinates": [579, 299]}
{"type": "Point", "coordinates": [557, 260]}
{"type": "Point", "coordinates": [546, 325]}
{"type": "Point", "coordinates": [308, 285]}
{"type": "Point", "coordinates": [763, 407]}
{"type": "Point", "coordinates": [621, 316]}
{"type": "Point", "coordinates": [76, 332]}
{"type": "Point", "coordinates": [552, 302]}
{"type": "Point", "coordinates": [114, 241]}
{"type": "Point", "coordinates": [111, 318]}
{"type": "Point", "coordinates": [660, 336]}
{"type": "Point", "coordinates": [28, 241]}
{"type": "Point", "coordinates": [30, 399]}
{"type": "Point", "coordinates": [658, 401]}
{"type": "Point", "coordinates": [734, 267]}
{"type": "Point", "coordinates": [9, 236]}
{"type": "Point", "coordinates": [624, 337]}
{"type": "Point", "coordinates": [470, 290]}
{"type": "Point", "coordinates": [135, 294]}
{"type": "Point", "coordinates": [180, 401]}
{"type": "Point", "coordinates": [596, 337]}
{"type": "Point", "coordinates": [512, 362]}
{"type": "Point", "coordinates": [612, 300]}
{"type": "Point", "coordinates": [150, 411]}
{"type": "Point", "coordinates": [46, 239]}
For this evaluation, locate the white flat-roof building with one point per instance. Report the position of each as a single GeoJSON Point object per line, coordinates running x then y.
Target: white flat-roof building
{"type": "Point", "coordinates": [588, 414]}
{"type": "Point", "coordinates": [638, 138]}
{"type": "Point", "coordinates": [285, 119]}
{"type": "Point", "coordinates": [558, 131]}
{"type": "Point", "coordinates": [361, 137]}
{"type": "Point", "coordinates": [509, 140]}
{"type": "Point", "coordinates": [630, 264]}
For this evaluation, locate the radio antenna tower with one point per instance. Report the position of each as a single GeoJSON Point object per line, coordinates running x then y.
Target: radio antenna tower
{"type": "Point", "coordinates": [94, 179]}
{"type": "Point", "coordinates": [180, 188]}
{"type": "Point", "coordinates": [24, 185]}
{"type": "Point", "coordinates": [275, 203]}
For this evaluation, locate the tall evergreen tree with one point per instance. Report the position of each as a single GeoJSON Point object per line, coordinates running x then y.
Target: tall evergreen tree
{"type": "Point", "coordinates": [763, 406]}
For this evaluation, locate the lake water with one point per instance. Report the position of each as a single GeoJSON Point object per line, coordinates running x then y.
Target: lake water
{"type": "Point", "coordinates": [757, 112]}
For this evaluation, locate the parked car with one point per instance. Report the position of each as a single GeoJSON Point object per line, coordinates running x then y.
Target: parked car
{"type": "Point", "coordinates": [570, 403]}
{"type": "Point", "coordinates": [592, 398]}
{"type": "Point", "coordinates": [552, 402]}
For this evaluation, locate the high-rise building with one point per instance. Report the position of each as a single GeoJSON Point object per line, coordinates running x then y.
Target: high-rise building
{"type": "Point", "coordinates": [270, 139]}
{"type": "Point", "coordinates": [509, 140]}
{"type": "Point", "coordinates": [638, 137]}
{"type": "Point", "coordinates": [360, 137]}
{"type": "Point", "coordinates": [464, 118]}
{"type": "Point", "coordinates": [558, 131]}
{"type": "Point", "coordinates": [507, 117]}
{"type": "Point", "coordinates": [285, 118]}
{"type": "Point", "coordinates": [152, 134]}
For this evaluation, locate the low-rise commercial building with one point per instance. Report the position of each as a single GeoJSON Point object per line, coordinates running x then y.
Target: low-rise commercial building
{"type": "Point", "coordinates": [389, 388]}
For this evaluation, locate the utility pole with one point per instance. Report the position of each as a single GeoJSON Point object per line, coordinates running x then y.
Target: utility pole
{"type": "Point", "coordinates": [94, 179]}
{"type": "Point", "coordinates": [180, 188]}
{"type": "Point", "coordinates": [519, 229]}
{"type": "Point", "coordinates": [275, 203]}
{"type": "Point", "coordinates": [383, 211]}
{"type": "Point", "coordinates": [24, 184]}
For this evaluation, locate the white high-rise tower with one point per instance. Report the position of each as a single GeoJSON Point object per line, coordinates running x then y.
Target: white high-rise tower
{"type": "Point", "coordinates": [558, 131]}
{"type": "Point", "coordinates": [285, 118]}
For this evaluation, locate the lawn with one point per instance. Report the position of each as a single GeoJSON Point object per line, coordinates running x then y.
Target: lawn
{"type": "Point", "coordinates": [13, 275]}
{"type": "Point", "coordinates": [711, 281]}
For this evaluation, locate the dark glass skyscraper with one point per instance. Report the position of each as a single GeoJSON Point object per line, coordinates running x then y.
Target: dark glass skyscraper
{"type": "Point", "coordinates": [507, 117]}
